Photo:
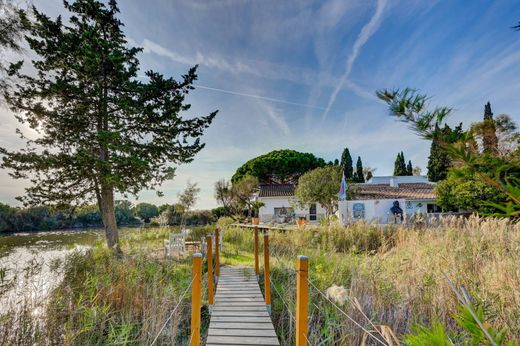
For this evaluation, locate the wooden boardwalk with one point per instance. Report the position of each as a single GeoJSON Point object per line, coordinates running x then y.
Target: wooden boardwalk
{"type": "Point", "coordinates": [240, 315]}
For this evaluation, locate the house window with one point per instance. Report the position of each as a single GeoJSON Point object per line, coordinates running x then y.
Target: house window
{"type": "Point", "coordinates": [283, 211]}
{"type": "Point", "coordinates": [433, 208]}
{"type": "Point", "coordinates": [312, 212]}
{"type": "Point", "coordinates": [358, 211]}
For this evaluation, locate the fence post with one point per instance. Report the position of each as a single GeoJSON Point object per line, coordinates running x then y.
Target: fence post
{"type": "Point", "coordinates": [302, 300]}
{"type": "Point", "coordinates": [209, 253]}
{"type": "Point", "coordinates": [217, 254]}
{"type": "Point", "coordinates": [257, 267]}
{"type": "Point", "coordinates": [196, 299]}
{"type": "Point", "coordinates": [267, 280]}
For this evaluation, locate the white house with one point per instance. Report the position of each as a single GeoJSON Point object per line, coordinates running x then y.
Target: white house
{"type": "Point", "coordinates": [280, 205]}
{"type": "Point", "coordinates": [373, 200]}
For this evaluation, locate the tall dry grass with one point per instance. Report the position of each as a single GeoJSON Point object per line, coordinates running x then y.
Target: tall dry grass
{"type": "Point", "coordinates": [398, 277]}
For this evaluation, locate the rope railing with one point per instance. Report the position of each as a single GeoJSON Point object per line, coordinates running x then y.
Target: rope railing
{"type": "Point", "coordinates": [345, 314]}
{"type": "Point", "coordinates": [173, 311]}
{"type": "Point", "coordinates": [213, 270]}
{"type": "Point", "coordinates": [300, 317]}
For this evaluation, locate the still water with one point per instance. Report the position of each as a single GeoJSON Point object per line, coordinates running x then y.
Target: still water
{"type": "Point", "coordinates": [31, 263]}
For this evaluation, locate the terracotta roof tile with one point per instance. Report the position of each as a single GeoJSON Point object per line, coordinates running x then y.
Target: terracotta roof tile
{"type": "Point", "coordinates": [278, 190]}
{"type": "Point", "coordinates": [385, 191]}
{"type": "Point", "coordinates": [363, 191]}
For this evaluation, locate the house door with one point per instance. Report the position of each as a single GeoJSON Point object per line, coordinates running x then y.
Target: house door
{"type": "Point", "coordinates": [312, 212]}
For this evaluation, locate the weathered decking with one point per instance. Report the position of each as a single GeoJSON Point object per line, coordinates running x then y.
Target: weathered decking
{"type": "Point", "coordinates": [239, 314]}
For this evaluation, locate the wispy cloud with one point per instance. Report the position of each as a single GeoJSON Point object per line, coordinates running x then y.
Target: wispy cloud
{"type": "Point", "coordinates": [199, 58]}
{"type": "Point", "coordinates": [276, 117]}
{"type": "Point", "coordinates": [260, 69]}
{"type": "Point", "coordinates": [368, 30]}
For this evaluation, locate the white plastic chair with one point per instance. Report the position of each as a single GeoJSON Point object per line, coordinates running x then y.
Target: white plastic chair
{"type": "Point", "coordinates": [175, 244]}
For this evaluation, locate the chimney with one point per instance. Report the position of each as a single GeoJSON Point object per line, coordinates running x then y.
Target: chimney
{"type": "Point", "coordinates": [393, 182]}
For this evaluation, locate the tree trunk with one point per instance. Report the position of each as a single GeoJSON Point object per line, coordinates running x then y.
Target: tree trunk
{"type": "Point", "coordinates": [108, 215]}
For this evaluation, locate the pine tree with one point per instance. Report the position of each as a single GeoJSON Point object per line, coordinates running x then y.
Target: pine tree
{"type": "Point", "coordinates": [360, 178]}
{"type": "Point", "coordinates": [11, 34]}
{"type": "Point", "coordinates": [489, 132]}
{"type": "Point", "coordinates": [101, 130]}
{"type": "Point", "coordinates": [409, 168]}
{"type": "Point", "coordinates": [336, 162]}
{"type": "Point", "coordinates": [346, 164]}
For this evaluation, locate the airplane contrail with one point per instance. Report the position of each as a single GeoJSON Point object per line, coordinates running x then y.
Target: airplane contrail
{"type": "Point", "coordinates": [368, 30]}
{"type": "Point", "coordinates": [257, 97]}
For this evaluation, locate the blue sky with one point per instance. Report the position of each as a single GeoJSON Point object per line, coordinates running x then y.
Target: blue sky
{"type": "Point", "coordinates": [302, 74]}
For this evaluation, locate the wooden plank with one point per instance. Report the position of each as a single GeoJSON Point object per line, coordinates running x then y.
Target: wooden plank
{"type": "Point", "coordinates": [240, 304]}
{"type": "Point", "coordinates": [240, 325]}
{"type": "Point", "coordinates": [239, 308]}
{"type": "Point", "coordinates": [241, 340]}
{"type": "Point", "coordinates": [238, 289]}
{"type": "Point", "coordinates": [245, 319]}
{"type": "Point", "coordinates": [239, 314]}
{"type": "Point", "coordinates": [242, 332]}
{"type": "Point", "coordinates": [238, 299]}
{"type": "Point", "coordinates": [241, 295]}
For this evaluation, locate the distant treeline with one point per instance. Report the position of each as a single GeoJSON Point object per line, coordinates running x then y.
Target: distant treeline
{"type": "Point", "coordinates": [44, 218]}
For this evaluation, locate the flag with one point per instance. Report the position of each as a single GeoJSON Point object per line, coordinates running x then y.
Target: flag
{"type": "Point", "coordinates": [342, 194]}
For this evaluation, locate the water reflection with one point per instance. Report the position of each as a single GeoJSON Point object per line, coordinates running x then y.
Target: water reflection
{"type": "Point", "coordinates": [31, 263]}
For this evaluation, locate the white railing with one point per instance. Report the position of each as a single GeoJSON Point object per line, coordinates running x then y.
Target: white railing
{"type": "Point", "coordinates": [272, 218]}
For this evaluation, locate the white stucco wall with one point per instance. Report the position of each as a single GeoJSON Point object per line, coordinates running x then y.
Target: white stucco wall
{"type": "Point", "coordinates": [379, 210]}
{"type": "Point", "coordinates": [267, 211]}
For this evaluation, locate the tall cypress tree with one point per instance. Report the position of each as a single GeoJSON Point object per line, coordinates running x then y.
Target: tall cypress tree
{"type": "Point", "coordinates": [489, 132]}
{"type": "Point", "coordinates": [101, 130]}
{"type": "Point", "coordinates": [359, 171]}
{"type": "Point", "coordinates": [400, 165]}
{"type": "Point", "coordinates": [439, 161]}
{"type": "Point", "coordinates": [397, 165]}
{"type": "Point", "coordinates": [403, 164]}
{"type": "Point", "coordinates": [346, 164]}
{"type": "Point", "coordinates": [409, 168]}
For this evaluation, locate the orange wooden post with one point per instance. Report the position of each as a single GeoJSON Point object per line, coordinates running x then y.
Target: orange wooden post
{"type": "Point", "coordinates": [267, 280]}
{"type": "Point", "coordinates": [302, 300]}
{"type": "Point", "coordinates": [209, 253]}
{"type": "Point", "coordinates": [196, 299]}
{"type": "Point", "coordinates": [217, 253]}
{"type": "Point", "coordinates": [257, 266]}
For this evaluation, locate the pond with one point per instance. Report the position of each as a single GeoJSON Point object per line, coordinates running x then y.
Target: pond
{"type": "Point", "coordinates": [31, 262]}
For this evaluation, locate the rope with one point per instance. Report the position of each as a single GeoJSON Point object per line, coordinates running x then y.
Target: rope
{"type": "Point", "coordinates": [191, 338]}
{"type": "Point", "coordinates": [171, 314]}
{"type": "Point", "coordinates": [283, 300]}
{"type": "Point", "coordinates": [345, 314]}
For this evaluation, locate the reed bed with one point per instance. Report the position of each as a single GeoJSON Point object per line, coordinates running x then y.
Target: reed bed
{"type": "Point", "coordinates": [106, 299]}
{"type": "Point", "coordinates": [393, 280]}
